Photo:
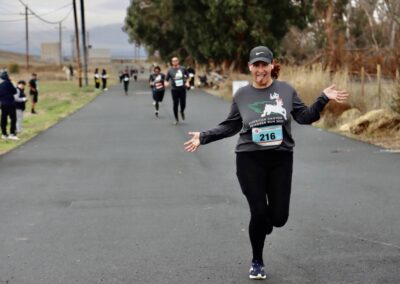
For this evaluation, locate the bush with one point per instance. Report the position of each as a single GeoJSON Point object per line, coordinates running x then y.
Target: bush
{"type": "Point", "coordinates": [13, 68]}
{"type": "Point", "coordinates": [394, 101]}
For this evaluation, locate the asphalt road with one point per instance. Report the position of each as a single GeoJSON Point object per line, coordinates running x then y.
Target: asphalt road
{"type": "Point", "coordinates": [109, 196]}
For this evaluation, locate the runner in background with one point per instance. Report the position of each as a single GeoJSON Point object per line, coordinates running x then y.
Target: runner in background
{"type": "Point", "coordinates": [124, 78]}
{"type": "Point", "coordinates": [157, 87]}
{"type": "Point", "coordinates": [178, 76]}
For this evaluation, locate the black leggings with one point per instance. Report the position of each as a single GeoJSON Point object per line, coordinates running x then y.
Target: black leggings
{"type": "Point", "coordinates": [265, 178]}
{"type": "Point", "coordinates": [126, 85]}
{"type": "Point", "coordinates": [8, 111]}
{"type": "Point", "coordinates": [178, 97]}
{"type": "Point", "coordinates": [158, 97]}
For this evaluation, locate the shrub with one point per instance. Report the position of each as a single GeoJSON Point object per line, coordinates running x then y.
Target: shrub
{"type": "Point", "coordinates": [394, 101]}
{"type": "Point", "coordinates": [13, 68]}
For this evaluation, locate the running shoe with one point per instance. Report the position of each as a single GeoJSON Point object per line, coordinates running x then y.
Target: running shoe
{"type": "Point", "coordinates": [176, 122]}
{"type": "Point", "coordinates": [4, 137]}
{"type": "Point", "coordinates": [156, 113]}
{"type": "Point", "coordinates": [257, 270]}
{"type": "Point", "coordinates": [183, 115]}
{"type": "Point", "coordinates": [13, 137]}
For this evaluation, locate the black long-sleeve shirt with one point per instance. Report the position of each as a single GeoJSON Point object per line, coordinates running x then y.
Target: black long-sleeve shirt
{"type": "Point", "coordinates": [269, 110]}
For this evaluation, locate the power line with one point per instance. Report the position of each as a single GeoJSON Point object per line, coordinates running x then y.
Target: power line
{"type": "Point", "coordinates": [44, 20]}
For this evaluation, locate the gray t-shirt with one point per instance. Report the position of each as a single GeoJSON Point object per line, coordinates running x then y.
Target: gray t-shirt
{"type": "Point", "coordinates": [263, 118]}
{"type": "Point", "coordinates": [178, 76]}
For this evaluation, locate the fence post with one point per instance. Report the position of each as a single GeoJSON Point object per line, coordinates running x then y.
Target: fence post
{"type": "Point", "coordinates": [378, 76]}
{"type": "Point", "coordinates": [362, 80]}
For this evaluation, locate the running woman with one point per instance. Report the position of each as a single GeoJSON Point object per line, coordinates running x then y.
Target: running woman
{"type": "Point", "coordinates": [179, 77]}
{"type": "Point", "coordinates": [157, 87]}
{"type": "Point", "coordinates": [261, 113]}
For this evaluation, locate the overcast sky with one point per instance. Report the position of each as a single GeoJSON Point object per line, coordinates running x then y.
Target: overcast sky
{"type": "Point", "coordinates": [97, 13]}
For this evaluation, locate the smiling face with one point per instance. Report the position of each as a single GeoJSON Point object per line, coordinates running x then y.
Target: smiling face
{"type": "Point", "coordinates": [261, 73]}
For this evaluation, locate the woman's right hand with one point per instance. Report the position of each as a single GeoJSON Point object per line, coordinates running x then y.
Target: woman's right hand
{"type": "Point", "coordinates": [194, 143]}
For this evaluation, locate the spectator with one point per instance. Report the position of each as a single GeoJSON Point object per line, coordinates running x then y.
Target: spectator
{"type": "Point", "coordinates": [20, 101]}
{"type": "Point", "coordinates": [104, 77]}
{"type": "Point", "coordinates": [192, 74]}
{"type": "Point", "coordinates": [96, 78]}
{"type": "Point", "coordinates": [7, 100]}
{"type": "Point", "coordinates": [34, 92]}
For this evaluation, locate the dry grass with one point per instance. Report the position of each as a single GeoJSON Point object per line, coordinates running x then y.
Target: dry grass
{"type": "Point", "coordinates": [309, 83]}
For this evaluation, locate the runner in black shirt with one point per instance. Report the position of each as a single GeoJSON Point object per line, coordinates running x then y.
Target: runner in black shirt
{"type": "Point", "coordinates": [157, 86]}
{"type": "Point", "coordinates": [124, 78]}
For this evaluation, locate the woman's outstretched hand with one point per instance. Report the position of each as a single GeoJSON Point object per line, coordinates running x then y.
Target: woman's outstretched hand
{"type": "Point", "coordinates": [194, 143]}
{"type": "Point", "coordinates": [338, 95]}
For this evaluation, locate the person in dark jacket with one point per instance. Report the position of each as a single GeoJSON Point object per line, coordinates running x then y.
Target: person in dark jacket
{"type": "Point", "coordinates": [7, 100]}
{"type": "Point", "coordinates": [104, 78]}
{"type": "Point", "coordinates": [20, 101]}
{"type": "Point", "coordinates": [261, 112]}
{"type": "Point", "coordinates": [34, 92]}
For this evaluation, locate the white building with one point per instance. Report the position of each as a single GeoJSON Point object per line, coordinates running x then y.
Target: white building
{"type": "Point", "coordinates": [50, 52]}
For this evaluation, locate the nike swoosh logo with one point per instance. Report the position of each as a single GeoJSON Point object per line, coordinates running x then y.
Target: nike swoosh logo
{"type": "Point", "coordinates": [257, 53]}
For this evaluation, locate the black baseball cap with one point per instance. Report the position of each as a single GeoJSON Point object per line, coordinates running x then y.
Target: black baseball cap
{"type": "Point", "coordinates": [261, 53]}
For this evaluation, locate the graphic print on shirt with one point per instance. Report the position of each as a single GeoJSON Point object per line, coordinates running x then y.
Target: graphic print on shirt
{"type": "Point", "coordinates": [277, 108]}
{"type": "Point", "coordinates": [178, 78]}
{"type": "Point", "coordinates": [267, 130]}
{"type": "Point", "coordinates": [158, 82]}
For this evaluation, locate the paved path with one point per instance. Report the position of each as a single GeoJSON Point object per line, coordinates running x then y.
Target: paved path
{"type": "Point", "coordinates": [109, 196]}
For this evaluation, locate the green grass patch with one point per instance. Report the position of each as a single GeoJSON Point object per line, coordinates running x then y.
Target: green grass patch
{"type": "Point", "coordinates": [57, 99]}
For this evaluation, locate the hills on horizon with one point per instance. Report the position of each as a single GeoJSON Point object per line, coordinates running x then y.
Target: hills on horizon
{"type": "Point", "coordinates": [107, 36]}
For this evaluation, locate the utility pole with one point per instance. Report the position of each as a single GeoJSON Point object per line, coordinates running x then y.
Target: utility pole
{"type": "Point", "coordinates": [27, 37]}
{"type": "Point", "coordinates": [60, 47]}
{"type": "Point", "coordinates": [73, 47]}
{"type": "Point", "coordinates": [85, 63]}
{"type": "Point", "coordinates": [77, 44]}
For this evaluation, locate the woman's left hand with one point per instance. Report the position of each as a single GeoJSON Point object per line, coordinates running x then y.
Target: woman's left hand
{"type": "Point", "coordinates": [339, 96]}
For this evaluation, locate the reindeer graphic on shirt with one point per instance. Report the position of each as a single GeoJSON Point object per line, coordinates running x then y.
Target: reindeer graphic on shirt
{"type": "Point", "coordinates": [276, 108]}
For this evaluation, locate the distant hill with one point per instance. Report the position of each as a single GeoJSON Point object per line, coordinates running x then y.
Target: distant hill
{"type": "Point", "coordinates": [15, 57]}
{"type": "Point", "coordinates": [108, 36]}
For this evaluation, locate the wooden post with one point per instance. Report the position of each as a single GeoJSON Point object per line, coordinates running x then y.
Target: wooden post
{"type": "Point", "coordinates": [362, 80]}
{"type": "Point", "coordinates": [378, 76]}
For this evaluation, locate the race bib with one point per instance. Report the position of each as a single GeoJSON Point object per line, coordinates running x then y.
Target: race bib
{"type": "Point", "coordinates": [126, 79]}
{"type": "Point", "coordinates": [159, 85]}
{"type": "Point", "coordinates": [179, 83]}
{"type": "Point", "coordinates": [267, 136]}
